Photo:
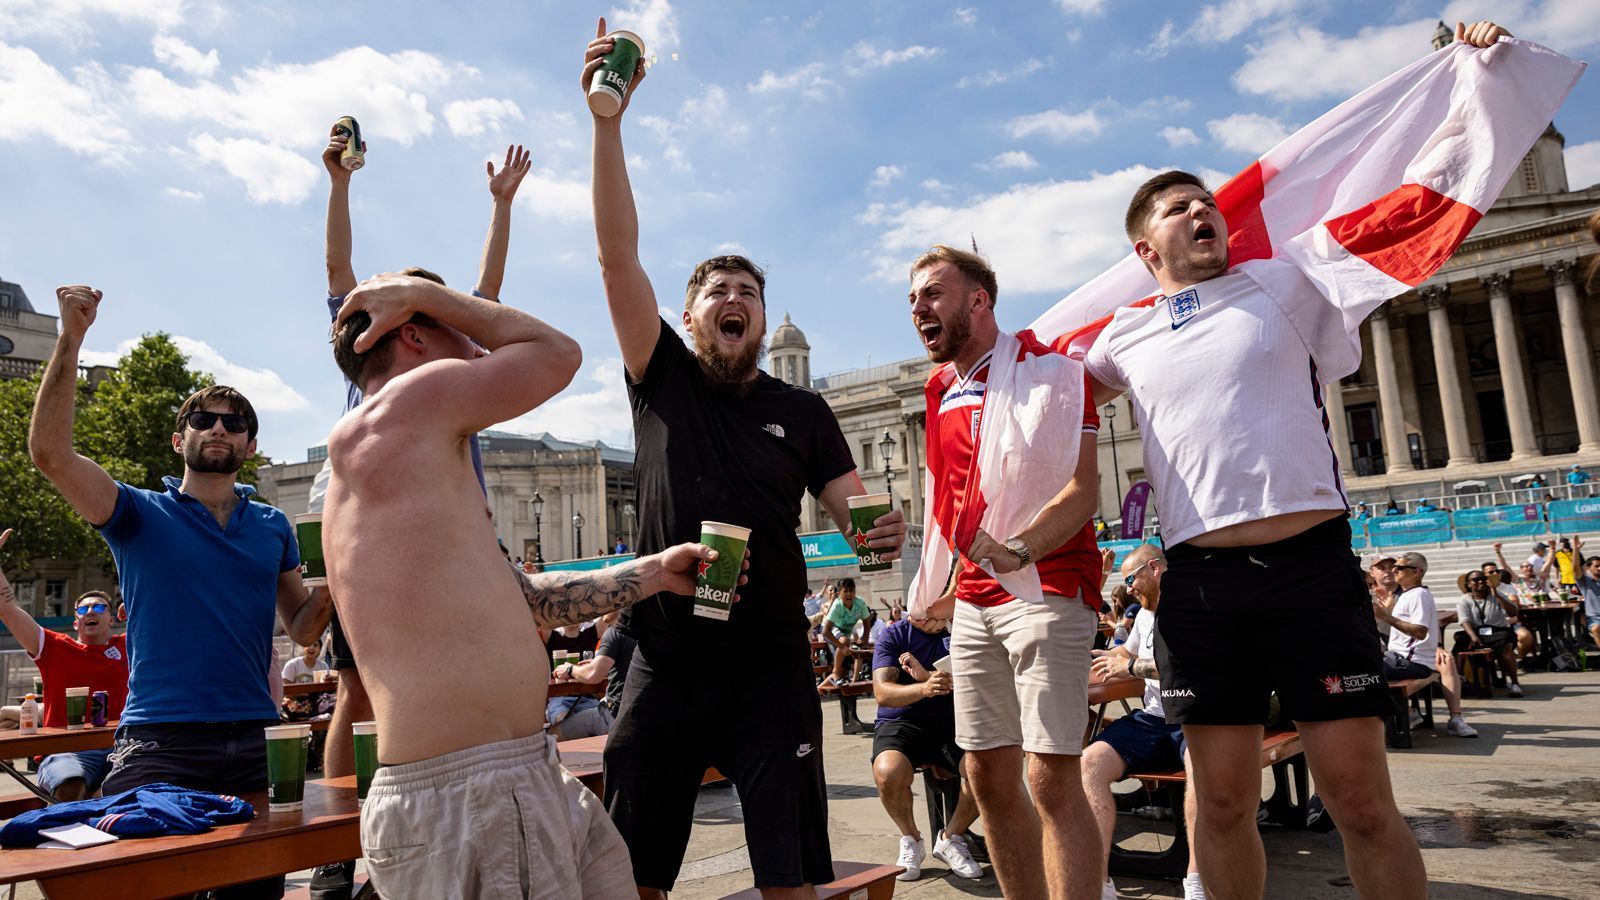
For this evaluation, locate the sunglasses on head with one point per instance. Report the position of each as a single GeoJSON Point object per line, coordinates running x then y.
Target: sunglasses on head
{"type": "Point", "coordinates": [84, 609]}
{"type": "Point", "coordinates": [202, 421]}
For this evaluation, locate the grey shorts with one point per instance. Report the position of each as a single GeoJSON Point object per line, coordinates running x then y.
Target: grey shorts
{"type": "Point", "coordinates": [1021, 674]}
{"type": "Point", "coordinates": [500, 820]}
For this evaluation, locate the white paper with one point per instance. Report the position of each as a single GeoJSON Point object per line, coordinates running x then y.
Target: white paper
{"type": "Point", "coordinates": [74, 837]}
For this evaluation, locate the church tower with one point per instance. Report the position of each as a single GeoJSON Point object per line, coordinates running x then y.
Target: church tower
{"type": "Point", "coordinates": [791, 355]}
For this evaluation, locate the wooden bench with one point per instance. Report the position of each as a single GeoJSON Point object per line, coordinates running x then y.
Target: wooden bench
{"type": "Point", "coordinates": [848, 694]}
{"type": "Point", "coordinates": [1280, 750]}
{"type": "Point", "coordinates": [363, 891]}
{"type": "Point", "coordinates": [852, 881]}
{"type": "Point", "coordinates": [1408, 694]}
{"type": "Point", "coordinates": [1477, 672]}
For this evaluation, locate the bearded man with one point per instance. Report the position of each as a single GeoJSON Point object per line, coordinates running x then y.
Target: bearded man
{"type": "Point", "coordinates": [717, 439]}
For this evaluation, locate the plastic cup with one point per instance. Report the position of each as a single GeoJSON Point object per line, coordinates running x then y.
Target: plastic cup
{"type": "Point", "coordinates": [308, 534]}
{"type": "Point", "coordinates": [610, 83]}
{"type": "Point", "coordinates": [286, 766]}
{"type": "Point", "coordinates": [714, 586]}
{"type": "Point", "coordinates": [942, 664]}
{"type": "Point", "coordinates": [365, 740]}
{"type": "Point", "coordinates": [77, 707]}
{"type": "Point", "coordinates": [864, 510]}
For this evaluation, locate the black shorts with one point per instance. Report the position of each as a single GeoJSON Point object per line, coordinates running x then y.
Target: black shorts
{"type": "Point", "coordinates": [922, 743]}
{"type": "Point", "coordinates": [1238, 623]}
{"type": "Point", "coordinates": [339, 656]}
{"type": "Point", "coordinates": [1398, 668]}
{"type": "Point", "coordinates": [762, 729]}
{"type": "Point", "coordinates": [1146, 743]}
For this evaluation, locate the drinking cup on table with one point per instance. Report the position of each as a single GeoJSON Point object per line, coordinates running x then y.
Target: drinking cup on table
{"type": "Point", "coordinates": [718, 579]}
{"type": "Point", "coordinates": [864, 510]}
{"type": "Point", "coordinates": [308, 534]}
{"type": "Point", "coordinates": [365, 741]}
{"type": "Point", "coordinates": [286, 766]}
{"type": "Point", "coordinates": [77, 706]}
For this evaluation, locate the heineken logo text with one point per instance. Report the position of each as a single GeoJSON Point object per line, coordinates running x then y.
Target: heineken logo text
{"type": "Point", "coordinates": [616, 79]}
{"type": "Point", "coordinates": [711, 595]}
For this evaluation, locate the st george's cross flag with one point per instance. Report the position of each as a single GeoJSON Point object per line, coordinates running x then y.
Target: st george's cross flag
{"type": "Point", "coordinates": [1370, 199]}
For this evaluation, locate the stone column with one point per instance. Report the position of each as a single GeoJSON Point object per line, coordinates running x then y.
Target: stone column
{"type": "Point", "coordinates": [1338, 425]}
{"type": "Point", "coordinates": [1456, 435]}
{"type": "Point", "coordinates": [1575, 341]}
{"type": "Point", "coordinates": [1518, 413]}
{"type": "Point", "coordinates": [914, 464]}
{"type": "Point", "coordinates": [1396, 453]}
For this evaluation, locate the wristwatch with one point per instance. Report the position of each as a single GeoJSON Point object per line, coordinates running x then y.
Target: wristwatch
{"type": "Point", "coordinates": [1020, 550]}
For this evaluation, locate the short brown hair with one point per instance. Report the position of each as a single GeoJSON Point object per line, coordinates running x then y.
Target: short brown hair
{"type": "Point", "coordinates": [358, 367]}
{"type": "Point", "coordinates": [728, 263]}
{"type": "Point", "coordinates": [1145, 198]}
{"type": "Point", "coordinates": [219, 393]}
{"type": "Point", "coordinates": [87, 594]}
{"type": "Point", "coordinates": [971, 264]}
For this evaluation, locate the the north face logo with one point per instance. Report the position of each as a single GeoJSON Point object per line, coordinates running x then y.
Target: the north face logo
{"type": "Point", "coordinates": [774, 429]}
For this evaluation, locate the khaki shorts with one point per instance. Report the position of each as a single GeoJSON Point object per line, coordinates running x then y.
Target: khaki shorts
{"type": "Point", "coordinates": [501, 820]}
{"type": "Point", "coordinates": [1022, 674]}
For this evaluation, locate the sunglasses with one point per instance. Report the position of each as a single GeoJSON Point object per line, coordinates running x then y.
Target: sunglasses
{"type": "Point", "coordinates": [1398, 568]}
{"type": "Point", "coordinates": [86, 608]}
{"type": "Point", "coordinates": [1475, 579]}
{"type": "Point", "coordinates": [1127, 579]}
{"type": "Point", "coordinates": [202, 421]}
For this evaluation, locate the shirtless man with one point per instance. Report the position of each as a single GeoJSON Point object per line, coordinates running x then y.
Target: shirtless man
{"type": "Point", "coordinates": [416, 574]}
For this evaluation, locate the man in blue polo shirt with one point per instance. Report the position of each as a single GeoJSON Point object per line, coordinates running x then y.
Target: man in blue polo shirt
{"type": "Point", "coordinates": [203, 570]}
{"type": "Point", "coordinates": [917, 726]}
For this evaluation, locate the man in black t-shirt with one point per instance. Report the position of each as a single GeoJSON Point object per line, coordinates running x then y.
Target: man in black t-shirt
{"type": "Point", "coordinates": [717, 439]}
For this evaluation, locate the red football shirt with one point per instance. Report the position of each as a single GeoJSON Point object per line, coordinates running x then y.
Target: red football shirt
{"type": "Point", "coordinates": [1072, 568]}
{"type": "Point", "coordinates": [65, 662]}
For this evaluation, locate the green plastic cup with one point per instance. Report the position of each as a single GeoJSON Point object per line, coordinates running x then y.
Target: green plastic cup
{"type": "Point", "coordinates": [864, 510]}
{"type": "Point", "coordinates": [286, 766]}
{"type": "Point", "coordinates": [610, 83]}
{"type": "Point", "coordinates": [365, 740]}
{"type": "Point", "coordinates": [714, 586]}
{"type": "Point", "coordinates": [77, 706]}
{"type": "Point", "coordinates": [308, 534]}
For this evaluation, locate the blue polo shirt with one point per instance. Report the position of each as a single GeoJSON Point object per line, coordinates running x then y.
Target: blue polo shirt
{"type": "Point", "coordinates": [899, 637]}
{"type": "Point", "coordinates": [202, 600]}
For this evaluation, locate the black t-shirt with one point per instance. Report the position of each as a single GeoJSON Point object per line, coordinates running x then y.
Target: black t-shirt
{"type": "Point", "coordinates": [582, 642]}
{"type": "Point", "coordinates": [704, 452]}
{"type": "Point", "coordinates": [619, 646]}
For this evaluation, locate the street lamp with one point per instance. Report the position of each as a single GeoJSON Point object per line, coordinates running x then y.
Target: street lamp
{"type": "Point", "coordinates": [577, 527]}
{"type": "Point", "coordinates": [538, 531]}
{"type": "Point", "coordinates": [627, 513]}
{"type": "Point", "coordinates": [886, 450]}
{"type": "Point", "coordinates": [1111, 419]}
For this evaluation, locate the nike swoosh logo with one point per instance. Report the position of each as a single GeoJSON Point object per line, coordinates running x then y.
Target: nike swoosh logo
{"type": "Point", "coordinates": [804, 750]}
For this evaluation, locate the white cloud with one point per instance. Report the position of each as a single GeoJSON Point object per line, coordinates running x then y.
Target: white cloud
{"type": "Point", "coordinates": [727, 247]}
{"type": "Point", "coordinates": [1081, 7]}
{"type": "Point", "coordinates": [1179, 137]}
{"type": "Point", "coordinates": [992, 77]}
{"type": "Point", "coordinates": [864, 56]}
{"type": "Point", "coordinates": [810, 79]}
{"type": "Point", "coordinates": [1013, 159]}
{"type": "Point", "coordinates": [818, 79]}
{"type": "Point", "coordinates": [882, 176]}
{"type": "Point", "coordinates": [267, 391]}
{"type": "Point", "coordinates": [1046, 236]}
{"type": "Point", "coordinates": [37, 101]}
{"type": "Point", "coordinates": [182, 194]}
{"type": "Point", "coordinates": [1250, 133]}
{"type": "Point", "coordinates": [1058, 125]}
{"type": "Point", "coordinates": [694, 117]}
{"type": "Point", "coordinates": [271, 174]}
{"type": "Point", "coordinates": [654, 21]}
{"type": "Point", "coordinates": [1219, 23]}
{"type": "Point", "coordinates": [1306, 63]}
{"type": "Point", "coordinates": [176, 53]}
{"type": "Point", "coordinates": [935, 186]}
{"type": "Point", "coordinates": [468, 118]}
{"type": "Point", "coordinates": [69, 20]}
{"type": "Point", "coordinates": [965, 15]}
{"type": "Point", "coordinates": [595, 407]}
{"type": "Point", "coordinates": [551, 196]}
{"type": "Point", "coordinates": [1583, 165]}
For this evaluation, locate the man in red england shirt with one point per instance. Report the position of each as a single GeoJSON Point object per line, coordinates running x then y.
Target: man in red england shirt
{"type": "Point", "coordinates": [98, 660]}
{"type": "Point", "coordinates": [1020, 668]}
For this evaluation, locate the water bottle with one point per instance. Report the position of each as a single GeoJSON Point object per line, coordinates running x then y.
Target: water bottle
{"type": "Point", "coordinates": [28, 718]}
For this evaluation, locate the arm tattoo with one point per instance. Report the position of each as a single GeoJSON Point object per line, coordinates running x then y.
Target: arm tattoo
{"type": "Point", "coordinates": [568, 598]}
{"type": "Point", "coordinates": [7, 595]}
{"type": "Point", "coordinates": [1145, 667]}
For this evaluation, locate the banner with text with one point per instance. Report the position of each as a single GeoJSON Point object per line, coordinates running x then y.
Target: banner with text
{"type": "Point", "coordinates": [1492, 522]}
{"type": "Point", "coordinates": [1574, 515]}
{"type": "Point", "coordinates": [1416, 528]}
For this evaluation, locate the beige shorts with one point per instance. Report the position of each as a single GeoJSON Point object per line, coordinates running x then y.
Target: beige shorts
{"type": "Point", "coordinates": [1022, 674]}
{"type": "Point", "coordinates": [501, 820]}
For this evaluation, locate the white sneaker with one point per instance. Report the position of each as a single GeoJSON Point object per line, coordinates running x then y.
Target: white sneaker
{"type": "Point", "coordinates": [1192, 889]}
{"type": "Point", "coordinates": [1108, 891]}
{"type": "Point", "coordinates": [952, 850]}
{"type": "Point", "coordinates": [1515, 690]}
{"type": "Point", "coordinates": [1459, 727]}
{"type": "Point", "coordinates": [912, 853]}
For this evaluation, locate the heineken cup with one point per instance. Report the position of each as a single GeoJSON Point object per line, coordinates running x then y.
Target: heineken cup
{"type": "Point", "coordinates": [714, 586]}
{"type": "Point", "coordinates": [611, 80]}
{"type": "Point", "coordinates": [308, 534]}
{"type": "Point", "coordinates": [286, 766]}
{"type": "Point", "coordinates": [864, 510]}
{"type": "Point", "coordinates": [77, 706]}
{"type": "Point", "coordinates": [365, 735]}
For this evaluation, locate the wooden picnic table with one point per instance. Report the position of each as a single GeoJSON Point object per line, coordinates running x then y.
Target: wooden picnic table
{"type": "Point", "coordinates": [1546, 620]}
{"type": "Point", "coordinates": [326, 830]}
{"type": "Point", "coordinates": [16, 745]}
{"type": "Point", "coordinates": [584, 758]}
{"type": "Point", "coordinates": [574, 688]}
{"type": "Point", "coordinates": [304, 688]}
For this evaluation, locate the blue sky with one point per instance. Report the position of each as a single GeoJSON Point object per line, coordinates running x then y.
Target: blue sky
{"type": "Point", "coordinates": [165, 151]}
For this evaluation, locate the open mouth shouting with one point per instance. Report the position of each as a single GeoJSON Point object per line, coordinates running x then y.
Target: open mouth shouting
{"type": "Point", "coordinates": [1205, 233]}
{"type": "Point", "coordinates": [929, 330]}
{"type": "Point", "coordinates": [732, 327]}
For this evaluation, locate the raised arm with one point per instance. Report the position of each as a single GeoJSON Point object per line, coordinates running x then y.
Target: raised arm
{"type": "Point", "coordinates": [79, 479]}
{"type": "Point", "coordinates": [616, 225]}
{"type": "Point", "coordinates": [1500, 558]}
{"type": "Point", "coordinates": [888, 530]}
{"type": "Point", "coordinates": [503, 188]}
{"type": "Point", "coordinates": [23, 627]}
{"type": "Point", "coordinates": [567, 598]}
{"type": "Point", "coordinates": [1060, 519]}
{"type": "Point", "coordinates": [338, 244]}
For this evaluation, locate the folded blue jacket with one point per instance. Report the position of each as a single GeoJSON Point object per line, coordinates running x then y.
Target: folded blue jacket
{"type": "Point", "coordinates": [149, 811]}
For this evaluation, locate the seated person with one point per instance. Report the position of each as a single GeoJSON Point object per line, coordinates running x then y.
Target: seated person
{"type": "Point", "coordinates": [1485, 622]}
{"type": "Point", "coordinates": [1498, 582]}
{"type": "Point", "coordinates": [1532, 578]}
{"type": "Point", "coordinates": [1142, 741]}
{"type": "Point", "coordinates": [1414, 650]}
{"type": "Point", "coordinates": [97, 660]}
{"type": "Point", "coordinates": [611, 660]}
{"type": "Point", "coordinates": [580, 639]}
{"type": "Point", "coordinates": [838, 629]}
{"type": "Point", "coordinates": [879, 626]}
{"type": "Point", "coordinates": [916, 726]}
{"type": "Point", "coordinates": [307, 667]}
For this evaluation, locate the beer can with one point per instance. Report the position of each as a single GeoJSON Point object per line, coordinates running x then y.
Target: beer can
{"type": "Point", "coordinates": [352, 157]}
{"type": "Point", "coordinates": [99, 708]}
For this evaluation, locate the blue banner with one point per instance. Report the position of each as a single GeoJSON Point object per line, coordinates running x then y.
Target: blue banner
{"type": "Point", "coordinates": [1358, 537]}
{"type": "Point", "coordinates": [825, 549]}
{"type": "Point", "coordinates": [1416, 528]}
{"type": "Point", "coordinates": [1123, 548]}
{"type": "Point", "coordinates": [1574, 515]}
{"type": "Point", "coordinates": [1492, 522]}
